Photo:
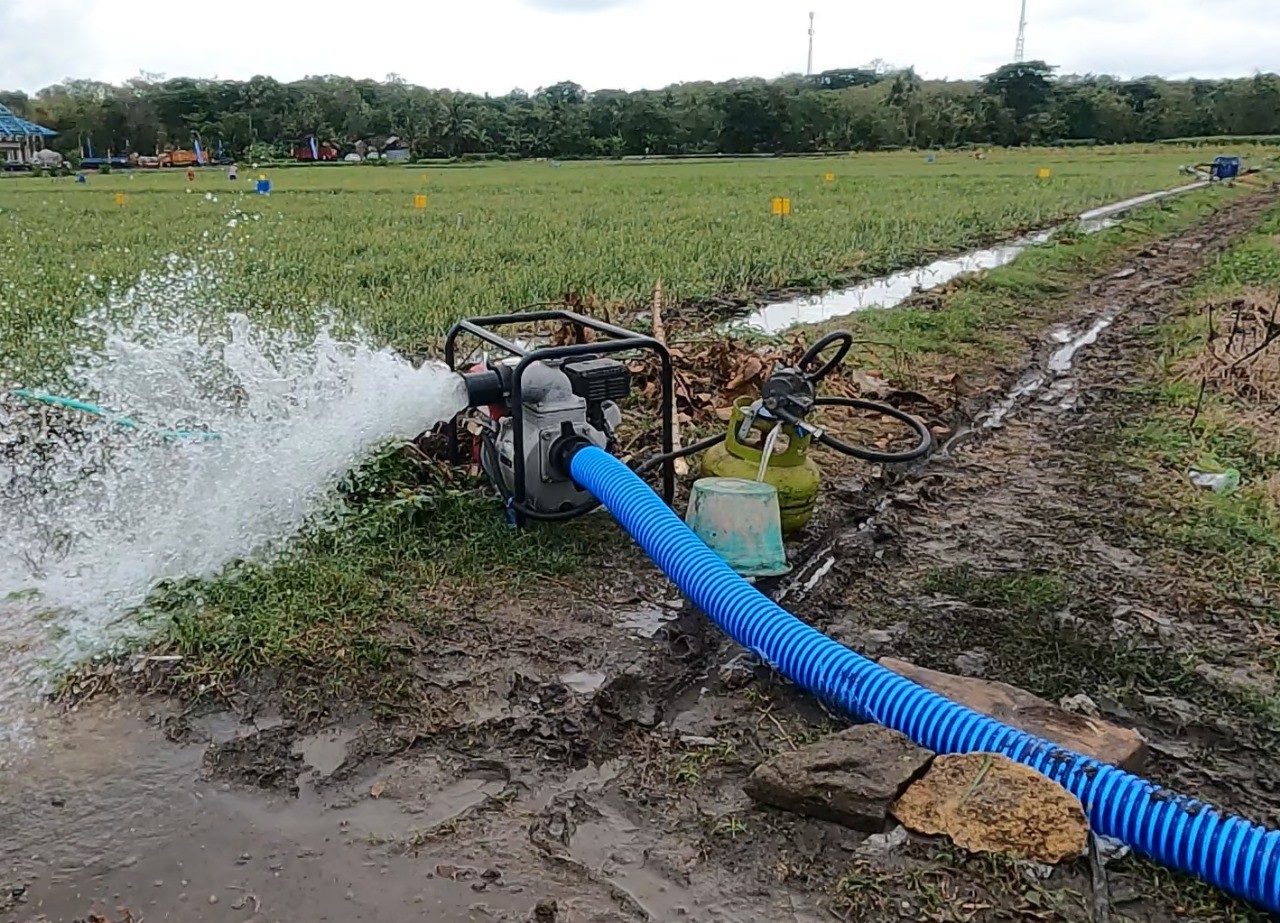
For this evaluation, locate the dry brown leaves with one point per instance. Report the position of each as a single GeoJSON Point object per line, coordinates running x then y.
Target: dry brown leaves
{"type": "Point", "coordinates": [710, 374]}
{"type": "Point", "coordinates": [1241, 362]}
{"type": "Point", "coordinates": [1242, 354]}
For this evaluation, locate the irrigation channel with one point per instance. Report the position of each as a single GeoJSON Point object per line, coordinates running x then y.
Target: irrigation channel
{"type": "Point", "coordinates": [890, 291]}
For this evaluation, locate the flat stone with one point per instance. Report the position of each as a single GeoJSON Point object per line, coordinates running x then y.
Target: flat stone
{"type": "Point", "coordinates": [972, 663]}
{"type": "Point", "coordinates": [1250, 678]}
{"type": "Point", "coordinates": [985, 802]}
{"type": "Point", "coordinates": [1105, 742]}
{"type": "Point", "coordinates": [850, 778]}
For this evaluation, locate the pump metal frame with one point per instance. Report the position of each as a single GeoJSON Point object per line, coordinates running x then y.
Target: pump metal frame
{"type": "Point", "coordinates": [620, 340]}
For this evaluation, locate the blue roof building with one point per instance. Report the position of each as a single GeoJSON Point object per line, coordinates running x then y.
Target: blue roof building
{"type": "Point", "coordinates": [20, 140]}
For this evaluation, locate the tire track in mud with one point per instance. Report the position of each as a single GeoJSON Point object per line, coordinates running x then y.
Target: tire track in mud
{"type": "Point", "coordinates": [1031, 489]}
{"type": "Point", "coordinates": [1146, 285]}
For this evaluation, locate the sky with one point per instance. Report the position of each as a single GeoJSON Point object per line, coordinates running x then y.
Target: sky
{"type": "Point", "coordinates": [493, 46]}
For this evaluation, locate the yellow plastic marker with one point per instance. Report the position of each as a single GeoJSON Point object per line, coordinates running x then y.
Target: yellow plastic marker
{"type": "Point", "coordinates": [119, 198]}
{"type": "Point", "coordinates": [1044, 173]}
{"type": "Point", "coordinates": [781, 207]}
{"type": "Point", "coordinates": [830, 177]}
{"type": "Point", "coordinates": [419, 201]}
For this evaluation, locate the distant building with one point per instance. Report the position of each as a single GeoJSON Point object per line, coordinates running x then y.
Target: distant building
{"type": "Point", "coordinates": [20, 140]}
{"type": "Point", "coordinates": [395, 149]}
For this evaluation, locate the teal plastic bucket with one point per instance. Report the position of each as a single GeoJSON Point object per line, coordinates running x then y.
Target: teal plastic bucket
{"type": "Point", "coordinates": [739, 520]}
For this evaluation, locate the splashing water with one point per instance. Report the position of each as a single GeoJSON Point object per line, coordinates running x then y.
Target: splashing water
{"type": "Point", "coordinates": [93, 516]}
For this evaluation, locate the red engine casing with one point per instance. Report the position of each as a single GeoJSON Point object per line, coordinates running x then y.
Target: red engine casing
{"type": "Point", "coordinates": [496, 412]}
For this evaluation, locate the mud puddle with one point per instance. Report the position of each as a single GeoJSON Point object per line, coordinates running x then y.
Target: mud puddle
{"type": "Point", "coordinates": [1055, 378]}
{"type": "Point", "coordinates": [891, 291]}
{"type": "Point", "coordinates": [253, 820]}
{"type": "Point", "coordinates": [105, 813]}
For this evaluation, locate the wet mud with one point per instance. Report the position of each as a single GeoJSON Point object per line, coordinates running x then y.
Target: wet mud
{"type": "Point", "coordinates": [579, 756]}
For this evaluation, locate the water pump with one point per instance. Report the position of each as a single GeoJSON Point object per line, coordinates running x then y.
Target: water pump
{"type": "Point", "coordinates": [531, 407]}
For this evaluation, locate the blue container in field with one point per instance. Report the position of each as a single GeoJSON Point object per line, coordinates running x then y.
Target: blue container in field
{"type": "Point", "coordinates": [264, 186]}
{"type": "Point", "coordinates": [1225, 168]}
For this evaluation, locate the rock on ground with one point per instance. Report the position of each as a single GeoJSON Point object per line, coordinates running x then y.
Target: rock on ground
{"type": "Point", "coordinates": [851, 778]}
{"type": "Point", "coordinates": [985, 802]}
{"type": "Point", "coordinates": [1085, 734]}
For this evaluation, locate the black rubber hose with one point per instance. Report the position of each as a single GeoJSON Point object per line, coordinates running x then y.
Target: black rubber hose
{"type": "Point", "coordinates": [921, 449]}
{"type": "Point", "coordinates": [654, 460]}
{"type": "Point", "coordinates": [843, 337]}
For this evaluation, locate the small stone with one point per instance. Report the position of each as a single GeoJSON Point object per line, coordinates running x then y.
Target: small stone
{"type": "Point", "coordinates": [739, 672]}
{"type": "Point", "coordinates": [58, 801]}
{"type": "Point", "coordinates": [972, 663]}
{"type": "Point", "coordinates": [158, 883]}
{"type": "Point", "coordinates": [851, 778]}
{"type": "Point", "coordinates": [881, 844]}
{"type": "Point", "coordinates": [213, 898]}
{"type": "Point", "coordinates": [872, 642]}
{"type": "Point", "coordinates": [1178, 710]}
{"type": "Point", "coordinates": [1080, 704]}
{"type": "Point", "coordinates": [692, 740]}
{"type": "Point", "coordinates": [546, 912]}
{"type": "Point", "coordinates": [479, 886]}
{"type": "Point", "coordinates": [351, 895]}
{"type": "Point", "coordinates": [985, 802]}
{"type": "Point", "coordinates": [1249, 679]}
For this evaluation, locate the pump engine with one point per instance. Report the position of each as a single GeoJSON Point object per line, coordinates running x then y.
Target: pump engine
{"type": "Point", "coordinates": [529, 406]}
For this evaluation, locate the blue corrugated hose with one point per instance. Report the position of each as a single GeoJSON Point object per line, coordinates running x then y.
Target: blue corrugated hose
{"type": "Point", "coordinates": [1229, 852]}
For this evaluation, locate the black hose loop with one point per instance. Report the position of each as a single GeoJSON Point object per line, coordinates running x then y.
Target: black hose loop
{"type": "Point", "coordinates": [812, 354]}
{"type": "Point", "coordinates": [922, 431]}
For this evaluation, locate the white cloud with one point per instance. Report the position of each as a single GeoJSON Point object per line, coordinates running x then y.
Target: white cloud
{"type": "Point", "coordinates": [43, 42]}
{"type": "Point", "coordinates": [501, 44]}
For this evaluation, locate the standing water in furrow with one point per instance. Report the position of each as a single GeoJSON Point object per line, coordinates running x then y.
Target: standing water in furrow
{"type": "Point", "coordinates": [96, 512]}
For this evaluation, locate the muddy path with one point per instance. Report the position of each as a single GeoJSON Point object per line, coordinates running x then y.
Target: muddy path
{"type": "Point", "coordinates": [579, 752]}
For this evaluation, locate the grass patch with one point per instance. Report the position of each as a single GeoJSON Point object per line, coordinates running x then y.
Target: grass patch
{"type": "Point", "coordinates": [1029, 646]}
{"type": "Point", "coordinates": [1209, 405]}
{"type": "Point", "coordinates": [1032, 594]}
{"type": "Point", "coordinates": [344, 607]}
{"type": "Point", "coordinates": [1187, 898]}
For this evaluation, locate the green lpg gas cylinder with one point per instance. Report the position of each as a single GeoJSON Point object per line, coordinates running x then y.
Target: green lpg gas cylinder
{"type": "Point", "coordinates": [791, 471]}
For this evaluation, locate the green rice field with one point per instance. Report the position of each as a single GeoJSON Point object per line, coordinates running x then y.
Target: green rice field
{"type": "Point", "coordinates": [349, 239]}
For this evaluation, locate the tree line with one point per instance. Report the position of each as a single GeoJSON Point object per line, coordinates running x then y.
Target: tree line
{"type": "Point", "coordinates": [859, 109]}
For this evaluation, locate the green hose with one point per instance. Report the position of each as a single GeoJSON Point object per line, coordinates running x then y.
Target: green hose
{"type": "Point", "coordinates": [72, 403]}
